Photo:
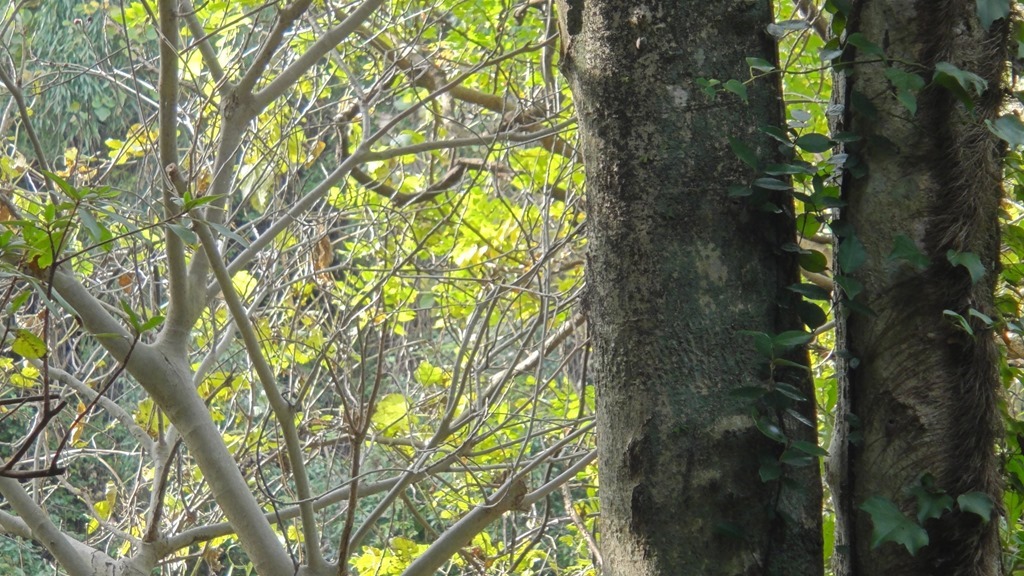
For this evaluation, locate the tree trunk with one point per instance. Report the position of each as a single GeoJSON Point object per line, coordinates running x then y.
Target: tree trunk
{"type": "Point", "coordinates": [923, 193]}
{"type": "Point", "coordinates": [677, 270]}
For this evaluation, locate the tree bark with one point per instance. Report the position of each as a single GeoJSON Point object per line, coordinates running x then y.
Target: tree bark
{"type": "Point", "coordinates": [676, 270]}
{"type": "Point", "coordinates": [923, 386]}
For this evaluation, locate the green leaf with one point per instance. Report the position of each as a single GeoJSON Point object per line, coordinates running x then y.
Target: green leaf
{"type": "Point", "coordinates": [907, 86]}
{"type": "Point", "coordinates": [931, 503]}
{"type": "Point", "coordinates": [905, 249]}
{"type": "Point", "coordinates": [183, 232]}
{"type": "Point", "coordinates": [890, 525]}
{"type": "Point", "coordinates": [814, 261]}
{"type": "Point", "coordinates": [760, 64]}
{"type": "Point", "coordinates": [808, 448]}
{"type": "Point", "coordinates": [737, 88]}
{"type": "Point", "coordinates": [811, 291]}
{"type": "Point", "coordinates": [1009, 128]}
{"type": "Point", "coordinates": [964, 85]}
{"type": "Point", "coordinates": [737, 191]}
{"type": "Point", "coordinates": [968, 260]}
{"type": "Point", "coordinates": [28, 345]}
{"type": "Point", "coordinates": [851, 287]}
{"type": "Point", "coordinates": [61, 183]}
{"type": "Point", "coordinates": [851, 254]}
{"type": "Point", "coordinates": [790, 391]}
{"type": "Point", "coordinates": [797, 458]}
{"type": "Point", "coordinates": [814, 143]}
{"type": "Point", "coordinates": [991, 10]}
{"type": "Point", "coordinates": [770, 470]}
{"type": "Point", "coordinates": [959, 320]}
{"type": "Point", "coordinates": [769, 428]}
{"type": "Point", "coordinates": [807, 225]}
{"type": "Point", "coordinates": [791, 339]}
{"type": "Point", "coordinates": [772, 184]}
{"type": "Point", "coordinates": [743, 152]}
{"type": "Point", "coordinates": [762, 342]}
{"type": "Point", "coordinates": [811, 314]}
{"type": "Point", "coordinates": [977, 503]}
{"type": "Point", "coordinates": [861, 42]}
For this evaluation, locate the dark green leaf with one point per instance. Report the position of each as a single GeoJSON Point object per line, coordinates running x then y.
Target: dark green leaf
{"type": "Point", "coordinates": [991, 10]}
{"type": "Point", "coordinates": [931, 503]}
{"type": "Point", "coordinates": [890, 525]}
{"type": "Point", "coordinates": [851, 254]}
{"type": "Point", "coordinates": [737, 191]}
{"type": "Point", "coordinates": [762, 343]}
{"type": "Point", "coordinates": [771, 184]}
{"type": "Point", "coordinates": [777, 133]}
{"type": "Point", "coordinates": [809, 448]}
{"type": "Point", "coordinates": [811, 314]}
{"type": "Point", "coordinates": [807, 225]}
{"type": "Point", "coordinates": [814, 143]}
{"type": "Point", "coordinates": [977, 503]}
{"type": "Point", "coordinates": [968, 260]}
{"type": "Point", "coordinates": [964, 85]}
{"type": "Point", "coordinates": [1008, 127]}
{"type": "Point", "coordinates": [743, 152]}
{"type": "Point", "coordinates": [790, 391]}
{"type": "Point", "coordinates": [851, 287]}
{"type": "Point", "coordinates": [797, 458]}
{"type": "Point", "coordinates": [770, 471]}
{"type": "Point", "coordinates": [787, 169]}
{"type": "Point", "coordinates": [861, 42]}
{"type": "Point", "coordinates": [770, 428]}
{"type": "Point", "coordinates": [760, 64]}
{"type": "Point", "coordinates": [904, 249]}
{"type": "Point", "coordinates": [814, 261]}
{"type": "Point", "coordinates": [737, 88]}
{"type": "Point", "coordinates": [811, 291]}
{"type": "Point", "coordinates": [791, 339]}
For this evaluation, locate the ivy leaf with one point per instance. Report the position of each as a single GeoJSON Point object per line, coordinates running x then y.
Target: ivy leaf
{"type": "Point", "coordinates": [931, 503]}
{"type": "Point", "coordinates": [890, 525]}
{"type": "Point", "coordinates": [991, 10]}
{"type": "Point", "coordinates": [851, 254]}
{"type": "Point", "coordinates": [964, 85]}
{"type": "Point", "coordinates": [904, 248]}
{"type": "Point", "coordinates": [907, 86]}
{"type": "Point", "coordinates": [977, 503]}
{"type": "Point", "coordinates": [1008, 127]}
{"type": "Point", "coordinates": [968, 260]}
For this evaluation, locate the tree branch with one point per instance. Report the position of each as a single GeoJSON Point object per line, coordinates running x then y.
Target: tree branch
{"type": "Point", "coordinates": [285, 18]}
{"type": "Point", "coordinates": [78, 560]}
{"type": "Point", "coordinates": [290, 75]}
{"type": "Point", "coordinates": [282, 411]}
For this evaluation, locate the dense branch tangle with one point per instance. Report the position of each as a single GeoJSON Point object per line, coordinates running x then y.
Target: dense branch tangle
{"type": "Point", "coordinates": [331, 286]}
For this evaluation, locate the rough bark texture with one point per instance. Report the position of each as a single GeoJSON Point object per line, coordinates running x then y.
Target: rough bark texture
{"type": "Point", "coordinates": [924, 389]}
{"type": "Point", "coordinates": [676, 270]}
